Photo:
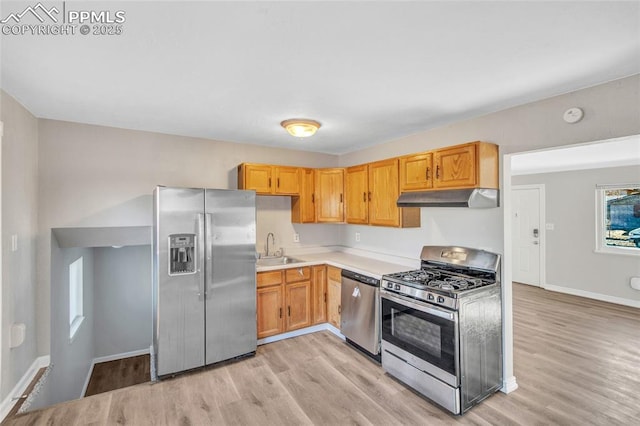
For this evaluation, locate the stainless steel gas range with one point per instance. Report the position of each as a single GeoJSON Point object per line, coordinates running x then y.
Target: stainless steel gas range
{"type": "Point", "coordinates": [442, 326]}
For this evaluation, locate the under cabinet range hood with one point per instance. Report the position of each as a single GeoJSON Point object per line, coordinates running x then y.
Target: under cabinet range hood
{"type": "Point", "coordinates": [476, 198]}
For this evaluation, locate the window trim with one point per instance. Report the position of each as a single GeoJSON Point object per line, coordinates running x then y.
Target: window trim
{"type": "Point", "coordinates": [76, 285]}
{"type": "Point", "coordinates": [600, 243]}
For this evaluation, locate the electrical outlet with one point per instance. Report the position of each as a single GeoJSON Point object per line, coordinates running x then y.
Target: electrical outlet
{"type": "Point", "coordinates": [14, 242]}
{"type": "Point", "coordinates": [357, 236]}
{"type": "Point", "coordinates": [296, 237]}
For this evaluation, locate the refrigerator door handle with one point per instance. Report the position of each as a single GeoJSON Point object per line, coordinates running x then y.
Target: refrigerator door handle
{"type": "Point", "coordinates": [201, 285]}
{"type": "Point", "coordinates": [208, 267]}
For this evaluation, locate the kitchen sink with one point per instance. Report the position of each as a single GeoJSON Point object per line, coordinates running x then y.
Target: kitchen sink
{"type": "Point", "coordinates": [274, 261]}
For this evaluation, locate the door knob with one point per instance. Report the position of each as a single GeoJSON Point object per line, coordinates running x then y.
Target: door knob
{"type": "Point", "coordinates": [535, 232]}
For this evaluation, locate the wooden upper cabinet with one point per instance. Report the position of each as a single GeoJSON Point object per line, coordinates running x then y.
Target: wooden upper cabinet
{"type": "Point", "coordinates": [416, 172]}
{"type": "Point", "coordinates": [267, 179]}
{"type": "Point", "coordinates": [357, 189]}
{"type": "Point", "coordinates": [255, 176]}
{"type": "Point", "coordinates": [303, 208]}
{"type": "Point", "coordinates": [329, 195]}
{"type": "Point", "coordinates": [470, 165]}
{"type": "Point", "coordinates": [384, 189]}
{"type": "Point", "coordinates": [287, 180]}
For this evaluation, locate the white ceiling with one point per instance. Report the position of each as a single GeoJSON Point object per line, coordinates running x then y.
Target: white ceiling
{"type": "Point", "coordinates": [368, 71]}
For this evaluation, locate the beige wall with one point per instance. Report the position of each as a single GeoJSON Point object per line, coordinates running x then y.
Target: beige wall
{"type": "Point", "coordinates": [19, 217]}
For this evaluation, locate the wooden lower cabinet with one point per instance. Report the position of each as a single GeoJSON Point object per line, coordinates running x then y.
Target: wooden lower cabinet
{"type": "Point", "coordinates": [334, 295]}
{"type": "Point", "coordinates": [283, 301]}
{"type": "Point", "coordinates": [298, 305]}
{"type": "Point", "coordinates": [269, 308]}
{"type": "Point", "coordinates": [318, 294]}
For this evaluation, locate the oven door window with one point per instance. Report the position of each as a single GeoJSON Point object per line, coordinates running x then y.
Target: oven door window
{"type": "Point", "coordinates": [426, 336]}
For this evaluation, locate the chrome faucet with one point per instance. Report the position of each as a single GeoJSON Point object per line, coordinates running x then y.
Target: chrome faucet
{"type": "Point", "coordinates": [273, 240]}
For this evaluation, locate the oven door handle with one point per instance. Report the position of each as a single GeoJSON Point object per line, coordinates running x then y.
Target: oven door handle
{"type": "Point", "coordinates": [430, 309]}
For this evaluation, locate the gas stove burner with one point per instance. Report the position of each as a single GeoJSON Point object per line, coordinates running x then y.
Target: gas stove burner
{"type": "Point", "coordinates": [417, 276]}
{"type": "Point", "coordinates": [455, 283]}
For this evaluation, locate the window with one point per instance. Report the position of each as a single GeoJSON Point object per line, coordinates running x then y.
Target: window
{"type": "Point", "coordinates": [618, 219]}
{"type": "Point", "coordinates": [75, 297]}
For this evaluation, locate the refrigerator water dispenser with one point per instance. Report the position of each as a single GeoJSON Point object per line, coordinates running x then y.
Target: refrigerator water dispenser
{"type": "Point", "coordinates": [182, 259]}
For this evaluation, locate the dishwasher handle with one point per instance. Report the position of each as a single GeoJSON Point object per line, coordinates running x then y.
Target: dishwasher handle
{"type": "Point", "coordinates": [363, 279]}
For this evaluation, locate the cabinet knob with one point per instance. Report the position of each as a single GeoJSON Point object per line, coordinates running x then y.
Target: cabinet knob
{"type": "Point", "coordinates": [427, 173]}
{"type": "Point", "coordinates": [437, 172]}
{"type": "Point", "coordinates": [364, 196]}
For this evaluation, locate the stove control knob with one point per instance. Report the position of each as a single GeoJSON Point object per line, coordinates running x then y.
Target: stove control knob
{"type": "Point", "coordinates": [430, 296]}
{"type": "Point", "coordinates": [440, 299]}
{"type": "Point", "coordinates": [389, 285]}
{"type": "Point", "coordinates": [398, 287]}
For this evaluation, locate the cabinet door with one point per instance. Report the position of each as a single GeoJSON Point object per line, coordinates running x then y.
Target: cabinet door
{"type": "Point", "coordinates": [383, 185]}
{"type": "Point", "coordinates": [416, 172]}
{"type": "Point", "coordinates": [357, 188]}
{"type": "Point", "coordinates": [287, 180]}
{"type": "Point", "coordinates": [258, 177]}
{"type": "Point", "coordinates": [455, 167]}
{"type": "Point", "coordinates": [319, 294]}
{"type": "Point", "coordinates": [298, 305]}
{"type": "Point", "coordinates": [269, 310]}
{"type": "Point", "coordinates": [334, 296]}
{"type": "Point", "coordinates": [330, 195]}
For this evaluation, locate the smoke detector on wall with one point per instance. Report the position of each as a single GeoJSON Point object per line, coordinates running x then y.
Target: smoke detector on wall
{"type": "Point", "coordinates": [573, 115]}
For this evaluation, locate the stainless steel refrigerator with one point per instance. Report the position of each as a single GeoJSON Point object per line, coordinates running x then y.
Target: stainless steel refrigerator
{"type": "Point", "coordinates": [204, 290]}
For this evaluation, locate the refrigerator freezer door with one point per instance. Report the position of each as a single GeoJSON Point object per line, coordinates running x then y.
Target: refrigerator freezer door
{"type": "Point", "coordinates": [231, 274]}
{"type": "Point", "coordinates": [179, 291]}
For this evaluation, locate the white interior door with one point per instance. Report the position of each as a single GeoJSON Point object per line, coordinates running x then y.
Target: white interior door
{"type": "Point", "coordinates": [527, 234]}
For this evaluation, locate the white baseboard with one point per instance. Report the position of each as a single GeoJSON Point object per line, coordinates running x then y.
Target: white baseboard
{"type": "Point", "coordinates": [17, 391]}
{"type": "Point", "coordinates": [592, 295]}
{"type": "Point", "coordinates": [509, 385]}
{"type": "Point", "coordinates": [110, 358]}
{"type": "Point", "coordinates": [301, 332]}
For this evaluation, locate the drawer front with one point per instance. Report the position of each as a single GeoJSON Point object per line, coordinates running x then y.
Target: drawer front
{"type": "Point", "coordinates": [334, 273]}
{"type": "Point", "coordinates": [297, 274]}
{"type": "Point", "coordinates": [265, 279]}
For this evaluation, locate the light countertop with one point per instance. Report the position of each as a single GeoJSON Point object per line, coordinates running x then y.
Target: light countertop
{"type": "Point", "coordinates": [361, 264]}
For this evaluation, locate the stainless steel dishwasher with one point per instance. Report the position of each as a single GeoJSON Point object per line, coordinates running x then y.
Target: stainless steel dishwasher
{"type": "Point", "coordinates": [360, 317]}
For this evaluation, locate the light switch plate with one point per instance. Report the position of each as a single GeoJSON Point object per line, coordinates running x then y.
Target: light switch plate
{"type": "Point", "coordinates": [357, 236]}
{"type": "Point", "coordinates": [549, 226]}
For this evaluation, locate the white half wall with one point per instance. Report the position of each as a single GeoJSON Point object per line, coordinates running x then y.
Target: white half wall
{"type": "Point", "coordinates": [70, 359]}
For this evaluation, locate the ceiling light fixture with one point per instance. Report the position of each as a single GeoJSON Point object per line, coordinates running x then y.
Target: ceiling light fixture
{"type": "Point", "coordinates": [300, 128]}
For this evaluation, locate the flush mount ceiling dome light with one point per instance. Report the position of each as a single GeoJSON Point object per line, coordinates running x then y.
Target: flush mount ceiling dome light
{"type": "Point", "coordinates": [300, 128]}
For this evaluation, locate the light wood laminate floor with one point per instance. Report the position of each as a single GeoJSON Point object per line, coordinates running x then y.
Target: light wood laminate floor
{"type": "Point", "coordinates": [577, 362]}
